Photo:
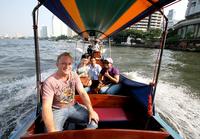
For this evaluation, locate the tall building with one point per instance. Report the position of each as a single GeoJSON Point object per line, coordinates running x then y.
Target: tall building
{"type": "Point", "coordinates": [171, 14]}
{"type": "Point", "coordinates": [43, 32]}
{"type": "Point", "coordinates": [52, 26]}
{"type": "Point", "coordinates": [155, 22]}
{"type": "Point", "coordinates": [171, 20]}
{"type": "Point", "coordinates": [59, 28]}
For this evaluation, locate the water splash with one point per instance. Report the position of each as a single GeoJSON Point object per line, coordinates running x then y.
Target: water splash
{"type": "Point", "coordinates": [19, 96]}
{"type": "Point", "coordinates": [175, 103]}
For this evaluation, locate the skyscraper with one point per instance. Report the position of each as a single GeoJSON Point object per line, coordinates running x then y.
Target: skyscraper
{"type": "Point", "coordinates": [59, 28]}
{"type": "Point", "coordinates": [52, 27]}
{"type": "Point", "coordinates": [171, 20]}
{"type": "Point", "coordinates": [43, 32]}
{"type": "Point", "coordinates": [171, 14]}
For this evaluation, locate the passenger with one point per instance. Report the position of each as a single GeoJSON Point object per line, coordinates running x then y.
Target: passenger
{"type": "Point", "coordinates": [109, 78]}
{"type": "Point", "coordinates": [82, 68]}
{"type": "Point", "coordinates": [82, 71]}
{"type": "Point", "coordinates": [89, 50]}
{"type": "Point", "coordinates": [94, 71]}
{"type": "Point", "coordinates": [96, 47]}
{"type": "Point", "coordinates": [58, 103]}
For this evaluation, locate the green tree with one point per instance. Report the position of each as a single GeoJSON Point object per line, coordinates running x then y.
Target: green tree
{"type": "Point", "coordinates": [135, 33]}
{"type": "Point", "coordinates": [153, 34]}
{"type": "Point", "coordinates": [150, 35]}
{"type": "Point", "coordinates": [172, 38]}
{"type": "Point", "coordinates": [120, 37]}
{"type": "Point", "coordinates": [61, 37]}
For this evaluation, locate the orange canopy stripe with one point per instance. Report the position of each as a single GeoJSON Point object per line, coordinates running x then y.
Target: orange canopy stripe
{"type": "Point", "coordinates": [136, 8]}
{"type": "Point", "coordinates": [71, 7]}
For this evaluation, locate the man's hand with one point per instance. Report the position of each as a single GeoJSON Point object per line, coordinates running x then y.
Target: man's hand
{"type": "Point", "coordinates": [107, 74]}
{"type": "Point", "coordinates": [93, 116]}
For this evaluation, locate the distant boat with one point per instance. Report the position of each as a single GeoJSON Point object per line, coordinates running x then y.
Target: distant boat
{"type": "Point", "coordinates": [130, 114]}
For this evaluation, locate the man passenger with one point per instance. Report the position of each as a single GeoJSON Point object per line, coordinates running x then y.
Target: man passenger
{"type": "Point", "coordinates": [58, 102]}
{"type": "Point", "coordinates": [109, 77]}
{"type": "Point", "coordinates": [94, 71]}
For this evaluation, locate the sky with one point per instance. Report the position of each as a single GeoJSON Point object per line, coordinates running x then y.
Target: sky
{"type": "Point", "coordinates": [16, 16]}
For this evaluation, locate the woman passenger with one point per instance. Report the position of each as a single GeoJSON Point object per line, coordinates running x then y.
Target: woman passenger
{"type": "Point", "coordinates": [82, 71]}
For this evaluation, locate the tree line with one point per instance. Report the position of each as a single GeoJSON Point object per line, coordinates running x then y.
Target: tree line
{"type": "Point", "coordinates": [150, 35]}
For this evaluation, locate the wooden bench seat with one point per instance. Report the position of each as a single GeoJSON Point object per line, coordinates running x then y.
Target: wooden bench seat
{"type": "Point", "coordinates": [113, 111]}
{"type": "Point", "coordinates": [114, 118]}
{"type": "Point", "coordinates": [111, 114]}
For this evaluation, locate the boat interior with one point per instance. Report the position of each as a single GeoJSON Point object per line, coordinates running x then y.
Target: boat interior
{"type": "Point", "coordinates": [127, 112]}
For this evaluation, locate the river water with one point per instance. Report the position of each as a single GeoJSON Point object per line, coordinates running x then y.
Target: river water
{"type": "Point", "coordinates": [177, 96]}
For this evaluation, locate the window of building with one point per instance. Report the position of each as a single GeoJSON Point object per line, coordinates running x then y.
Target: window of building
{"type": "Point", "coordinates": [181, 32]}
{"type": "Point", "coordinates": [198, 33]}
{"type": "Point", "coordinates": [193, 4]}
{"type": "Point", "coordinates": [195, 30]}
{"type": "Point", "coordinates": [190, 31]}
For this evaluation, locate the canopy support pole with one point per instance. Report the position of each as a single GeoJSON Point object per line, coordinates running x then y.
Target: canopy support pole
{"type": "Point", "coordinates": [157, 70]}
{"type": "Point", "coordinates": [109, 44]}
{"type": "Point", "coordinates": [37, 58]}
{"type": "Point", "coordinates": [164, 34]}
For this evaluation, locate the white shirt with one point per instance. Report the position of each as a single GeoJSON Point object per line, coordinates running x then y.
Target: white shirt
{"type": "Point", "coordinates": [96, 47]}
{"type": "Point", "coordinates": [94, 71]}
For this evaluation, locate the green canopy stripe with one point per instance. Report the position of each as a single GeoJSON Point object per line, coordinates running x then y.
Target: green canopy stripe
{"type": "Point", "coordinates": [100, 15]}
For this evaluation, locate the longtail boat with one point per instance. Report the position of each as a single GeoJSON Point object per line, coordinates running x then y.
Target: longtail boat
{"type": "Point", "coordinates": [131, 113]}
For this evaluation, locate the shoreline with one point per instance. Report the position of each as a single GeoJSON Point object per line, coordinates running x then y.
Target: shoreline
{"type": "Point", "coordinates": [156, 46]}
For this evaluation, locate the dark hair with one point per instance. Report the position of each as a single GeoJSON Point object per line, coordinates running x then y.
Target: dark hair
{"type": "Point", "coordinates": [105, 62]}
{"type": "Point", "coordinates": [64, 54]}
{"type": "Point", "coordinates": [85, 56]}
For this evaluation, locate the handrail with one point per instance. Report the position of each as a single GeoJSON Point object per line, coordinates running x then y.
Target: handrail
{"type": "Point", "coordinates": [157, 70]}
{"type": "Point", "coordinates": [160, 56]}
{"type": "Point", "coordinates": [37, 57]}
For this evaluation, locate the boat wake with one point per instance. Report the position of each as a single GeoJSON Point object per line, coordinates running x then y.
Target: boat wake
{"type": "Point", "coordinates": [176, 105]}
{"type": "Point", "coordinates": [18, 100]}
{"type": "Point", "coordinates": [17, 97]}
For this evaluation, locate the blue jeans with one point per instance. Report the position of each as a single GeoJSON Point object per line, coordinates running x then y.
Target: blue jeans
{"type": "Point", "coordinates": [110, 89]}
{"type": "Point", "coordinates": [76, 114]}
{"type": "Point", "coordinates": [87, 89]}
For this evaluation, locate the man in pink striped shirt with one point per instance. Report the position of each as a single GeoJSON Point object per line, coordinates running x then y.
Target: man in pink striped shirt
{"type": "Point", "coordinates": [58, 104]}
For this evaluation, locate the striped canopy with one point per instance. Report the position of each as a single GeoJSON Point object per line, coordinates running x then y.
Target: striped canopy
{"type": "Point", "coordinates": [102, 18]}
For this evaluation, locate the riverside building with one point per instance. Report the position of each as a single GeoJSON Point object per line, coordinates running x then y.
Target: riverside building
{"type": "Point", "coordinates": [190, 27]}
{"type": "Point", "coordinates": [153, 21]}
